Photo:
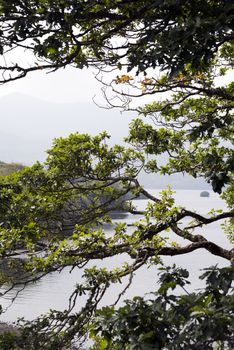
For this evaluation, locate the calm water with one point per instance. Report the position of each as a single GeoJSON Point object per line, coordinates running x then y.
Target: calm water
{"type": "Point", "coordinates": [53, 291]}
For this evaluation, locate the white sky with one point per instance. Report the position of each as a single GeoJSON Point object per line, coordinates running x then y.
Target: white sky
{"type": "Point", "coordinates": [28, 126]}
{"type": "Point", "coordinates": [65, 85]}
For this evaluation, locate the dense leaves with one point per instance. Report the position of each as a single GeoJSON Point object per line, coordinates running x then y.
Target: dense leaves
{"type": "Point", "coordinates": [202, 320]}
{"type": "Point", "coordinates": [152, 33]}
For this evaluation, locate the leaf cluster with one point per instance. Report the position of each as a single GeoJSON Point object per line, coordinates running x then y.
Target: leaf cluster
{"type": "Point", "coordinates": [171, 321]}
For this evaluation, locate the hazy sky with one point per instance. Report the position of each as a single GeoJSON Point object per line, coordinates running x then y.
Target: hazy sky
{"type": "Point", "coordinates": [28, 124]}
{"type": "Point", "coordinates": [65, 85]}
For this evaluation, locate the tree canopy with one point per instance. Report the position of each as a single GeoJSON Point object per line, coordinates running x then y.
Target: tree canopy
{"type": "Point", "coordinates": [56, 212]}
{"type": "Point", "coordinates": [136, 34]}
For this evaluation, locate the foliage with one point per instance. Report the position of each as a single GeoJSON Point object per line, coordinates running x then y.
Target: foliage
{"type": "Point", "coordinates": [56, 212]}
{"type": "Point", "coordinates": [166, 320]}
{"type": "Point", "coordinates": [77, 190]}
{"type": "Point", "coordinates": [150, 33]}
{"type": "Point", "coordinates": [202, 320]}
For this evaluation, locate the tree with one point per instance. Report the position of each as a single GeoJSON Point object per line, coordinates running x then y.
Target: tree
{"type": "Point", "coordinates": [59, 208]}
{"type": "Point", "coordinates": [137, 34]}
{"type": "Point", "coordinates": [200, 320]}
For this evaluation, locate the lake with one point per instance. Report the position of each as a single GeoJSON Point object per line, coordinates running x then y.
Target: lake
{"type": "Point", "coordinates": [53, 291]}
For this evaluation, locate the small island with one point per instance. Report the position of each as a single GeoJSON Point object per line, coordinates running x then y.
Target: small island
{"type": "Point", "coordinates": [204, 194]}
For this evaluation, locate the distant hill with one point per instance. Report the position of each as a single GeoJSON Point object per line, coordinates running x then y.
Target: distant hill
{"type": "Point", "coordinates": [28, 126]}
{"type": "Point", "coordinates": [6, 169]}
{"type": "Point", "coordinates": [176, 181]}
